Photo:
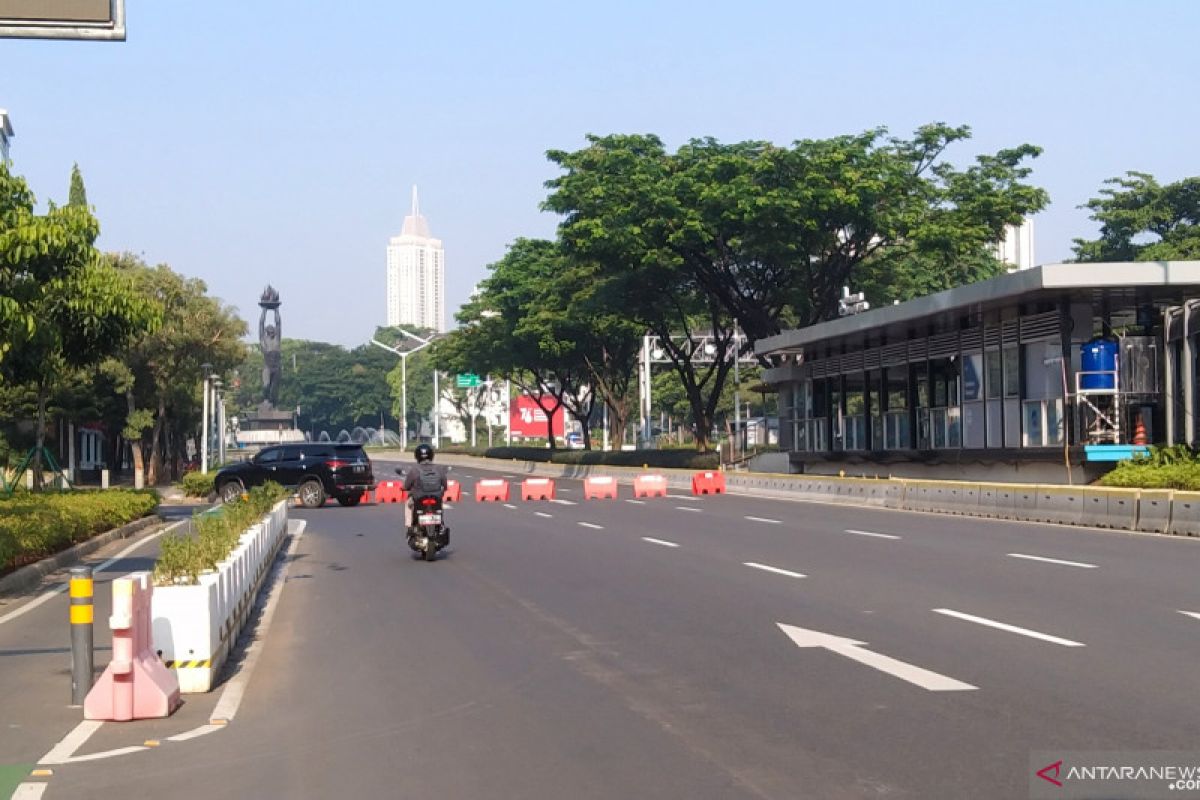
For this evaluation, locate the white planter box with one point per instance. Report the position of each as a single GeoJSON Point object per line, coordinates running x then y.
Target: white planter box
{"type": "Point", "coordinates": [195, 626]}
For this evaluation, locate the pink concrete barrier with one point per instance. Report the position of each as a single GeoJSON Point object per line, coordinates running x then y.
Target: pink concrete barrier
{"type": "Point", "coordinates": [537, 489]}
{"type": "Point", "coordinates": [390, 492]}
{"type": "Point", "coordinates": [453, 492]}
{"type": "Point", "coordinates": [599, 487]}
{"type": "Point", "coordinates": [650, 486]}
{"type": "Point", "coordinates": [135, 684]}
{"type": "Point", "coordinates": [708, 483]}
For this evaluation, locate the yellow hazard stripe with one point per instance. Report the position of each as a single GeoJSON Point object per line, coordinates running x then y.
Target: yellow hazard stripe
{"type": "Point", "coordinates": [81, 587]}
{"type": "Point", "coordinates": [82, 615]}
{"type": "Point", "coordinates": [199, 664]}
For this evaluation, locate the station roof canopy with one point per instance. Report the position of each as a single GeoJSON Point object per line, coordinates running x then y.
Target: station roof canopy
{"type": "Point", "coordinates": [1125, 283]}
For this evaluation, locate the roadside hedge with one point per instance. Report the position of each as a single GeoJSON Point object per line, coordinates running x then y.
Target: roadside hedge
{"type": "Point", "coordinates": [36, 525]}
{"type": "Point", "coordinates": [198, 484]}
{"type": "Point", "coordinates": [212, 535]}
{"type": "Point", "coordinates": [667, 459]}
{"type": "Point", "coordinates": [1175, 467]}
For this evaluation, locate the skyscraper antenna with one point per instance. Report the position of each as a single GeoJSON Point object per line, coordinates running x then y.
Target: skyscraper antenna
{"type": "Point", "coordinates": [416, 211]}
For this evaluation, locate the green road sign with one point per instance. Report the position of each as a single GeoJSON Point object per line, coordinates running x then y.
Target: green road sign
{"type": "Point", "coordinates": [468, 381]}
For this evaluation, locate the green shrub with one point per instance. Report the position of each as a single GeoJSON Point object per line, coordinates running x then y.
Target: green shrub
{"type": "Point", "coordinates": [34, 525]}
{"type": "Point", "coordinates": [212, 536]}
{"type": "Point", "coordinates": [1142, 474]}
{"type": "Point", "coordinates": [198, 484]}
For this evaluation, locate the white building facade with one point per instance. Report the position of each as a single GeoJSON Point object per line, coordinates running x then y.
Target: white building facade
{"type": "Point", "coordinates": [416, 275]}
{"type": "Point", "coordinates": [1016, 248]}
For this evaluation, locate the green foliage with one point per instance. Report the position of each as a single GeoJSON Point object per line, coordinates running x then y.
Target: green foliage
{"type": "Point", "coordinates": [1142, 220]}
{"type": "Point", "coordinates": [198, 484]}
{"type": "Point", "coordinates": [77, 195]}
{"type": "Point", "coordinates": [667, 459]}
{"type": "Point", "coordinates": [33, 526]}
{"type": "Point", "coordinates": [213, 535]}
{"type": "Point", "coordinates": [1175, 467]}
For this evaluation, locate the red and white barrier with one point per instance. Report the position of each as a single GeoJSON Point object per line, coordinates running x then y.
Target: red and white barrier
{"type": "Point", "coordinates": [491, 489]}
{"type": "Point", "coordinates": [453, 492]}
{"type": "Point", "coordinates": [650, 486]}
{"type": "Point", "coordinates": [537, 489]}
{"type": "Point", "coordinates": [135, 684]}
{"type": "Point", "coordinates": [599, 487]}
{"type": "Point", "coordinates": [708, 483]}
{"type": "Point", "coordinates": [390, 492]}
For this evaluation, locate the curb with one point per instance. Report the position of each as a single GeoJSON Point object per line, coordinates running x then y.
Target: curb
{"type": "Point", "coordinates": [30, 574]}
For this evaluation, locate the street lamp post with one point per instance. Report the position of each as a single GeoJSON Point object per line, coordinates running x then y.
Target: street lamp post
{"type": "Point", "coordinates": [404, 354]}
{"type": "Point", "coordinates": [204, 421]}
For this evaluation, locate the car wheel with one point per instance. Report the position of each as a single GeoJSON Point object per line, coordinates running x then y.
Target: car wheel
{"type": "Point", "coordinates": [231, 491]}
{"type": "Point", "coordinates": [312, 494]}
{"type": "Point", "coordinates": [351, 500]}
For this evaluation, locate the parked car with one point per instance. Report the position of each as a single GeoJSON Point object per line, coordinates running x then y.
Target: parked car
{"type": "Point", "coordinates": [317, 471]}
{"type": "Point", "coordinates": [575, 440]}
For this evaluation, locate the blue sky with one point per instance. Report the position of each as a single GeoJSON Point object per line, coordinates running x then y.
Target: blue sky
{"type": "Point", "coordinates": [247, 143]}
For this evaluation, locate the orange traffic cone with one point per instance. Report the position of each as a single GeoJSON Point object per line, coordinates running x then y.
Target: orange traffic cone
{"type": "Point", "coordinates": [1139, 432]}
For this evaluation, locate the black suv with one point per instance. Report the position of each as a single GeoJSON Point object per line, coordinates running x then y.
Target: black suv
{"type": "Point", "coordinates": [340, 471]}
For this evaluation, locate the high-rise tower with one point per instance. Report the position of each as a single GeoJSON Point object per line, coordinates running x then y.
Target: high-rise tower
{"type": "Point", "coordinates": [416, 275]}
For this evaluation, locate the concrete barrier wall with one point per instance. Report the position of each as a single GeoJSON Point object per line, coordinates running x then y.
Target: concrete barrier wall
{"type": "Point", "coordinates": [1145, 510]}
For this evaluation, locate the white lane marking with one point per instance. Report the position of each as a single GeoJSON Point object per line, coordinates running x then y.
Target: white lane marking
{"type": "Point", "coordinates": [513, 477]}
{"type": "Point", "coordinates": [29, 791]}
{"type": "Point", "coordinates": [543, 514]}
{"type": "Point", "coordinates": [509, 505]}
{"type": "Point", "coordinates": [120, 751]}
{"type": "Point", "coordinates": [1053, 561]}
{"type": "Point", "coordinates": [662, 542]}
{"type": "Point", "coordinates": [1190, 614]}
{"type": "Point", "coordinates": [852, 649]}
{"type": "Point", "coordinates": [776, 570]}
{"type": "Point", "coordinates": [683, 497]}
{"type": "Point", "coordinates": [637, 502]}
{"type": "Point", "coordinates": [764, 519]}
{"type": "Point", "coordinates": [195, 733]}
{"type": "Point", "coordinates": [61, 753]}
{"type": "Point", "coordinates": [871, 533]}
{"type": "Point", "coordinates": [689, 508]}
{"type": "Point", "coordinates": [592, 526]}
{"type": "Point", "coordinates": [564, 502]}
{"type": "Point", "coordinates": [62, 587]}
{"type": "Point", "coordinates": [1045, 637]}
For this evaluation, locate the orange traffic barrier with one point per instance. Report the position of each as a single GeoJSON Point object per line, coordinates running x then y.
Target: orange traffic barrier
{"type": "Point", "coordinates": [135, 684]}
{"type": "Point", "coordinates": [599, 487]}
{"type": "Point", "coordinates": [708, 483]}
{"type": "Point", "coordinates": [493, 489]}
{"type": "Point", "coordinates": [390, 492]}
{"type": "Point", "coordinates": [537, 489]}
{"type": "Point", "coordinates": [366, 496]}
{"type": "Point", "coordinates": [453, 492]}
{"type": "Point", "coordinates": [650, 486]}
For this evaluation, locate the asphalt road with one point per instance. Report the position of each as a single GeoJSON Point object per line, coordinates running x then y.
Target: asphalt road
{"type": "Point", "coordinates": [611, 649]}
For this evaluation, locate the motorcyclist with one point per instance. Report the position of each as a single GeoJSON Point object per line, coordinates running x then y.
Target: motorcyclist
{"type": "Point", "coordinates": [422, 481]}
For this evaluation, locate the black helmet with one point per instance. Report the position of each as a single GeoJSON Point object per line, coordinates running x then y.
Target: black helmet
{"type": "Point", "coordinates": [423, 453]}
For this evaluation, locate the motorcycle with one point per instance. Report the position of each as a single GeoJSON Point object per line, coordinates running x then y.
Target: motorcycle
{"type": "Point", "coordinates": [429, 533]}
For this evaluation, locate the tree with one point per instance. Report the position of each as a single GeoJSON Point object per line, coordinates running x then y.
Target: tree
{"type": "Point", "coordinates": [77, 197]}
{"type": "Point", "coordinates": [61, 307]}
{"type": "Point", "coordinates": [1142, 220]}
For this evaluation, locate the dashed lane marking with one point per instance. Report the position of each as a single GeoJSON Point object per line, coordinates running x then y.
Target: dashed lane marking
{"type": "Point", "coordinates": [689, 508]}
{"type": "Point", "coordinates": [562, 502]}
{"type": "Point", "coordinates": [1192, 614]}
{"type": "Point", "coordinates": [776, 570]}
{"type": "Point", "coordinates": [1058, 561]}
{"type": "Point", "coordinates": [991, 623]}
{"type": "Point", "coordinates": [591, 525]}
{"type": "Point", "coordinates": [509, 505]}
{"type": "Point", "coordinates": [871, 533]}
{"type": "Point", "coordinates": [543, 514]}
{"type": "Point", "coordinates": [764, 519]}
{"type": "Point", "coordinates": [683, 497]}
{"type": "Point", "coordinates": [636, 502]}
{"type": "Point", "coordinates": [661, 542]}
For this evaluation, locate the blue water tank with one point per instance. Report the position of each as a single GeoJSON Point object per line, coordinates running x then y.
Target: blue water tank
{"type": "Point", "coordinates": [1099, 355]}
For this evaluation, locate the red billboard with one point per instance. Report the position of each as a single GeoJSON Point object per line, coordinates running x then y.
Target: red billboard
{"type": "Point", "coordinates": [529, 421]}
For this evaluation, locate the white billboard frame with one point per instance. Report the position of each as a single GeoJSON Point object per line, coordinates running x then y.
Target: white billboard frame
{"type": "Point", "coordinates": [110, 31]}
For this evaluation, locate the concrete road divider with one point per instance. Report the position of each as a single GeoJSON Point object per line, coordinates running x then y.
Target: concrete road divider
{"type": "Point", "coordinates": [135, 684]}
{"type": "Point", "coordinates": [598, 487]}
{"type": "Point", "coordinates": [537, 489]}
{"type": "Point", "coordinates": [650, 486]}
{"type": "Point", "coordinates": [708, 482]}
{"type": "Point", "coordinates": [1060, 504]}
{"type": "Point", "coordinates": [453, 492]}
{"type": "Point", "coordinates": [1154, 510]}
{"type": "Point", "coordinates": [390, 492]}
{"type": "Point", "coordinates": [1185, 513]}
{"type": "Point", "coordinates": [491, 490]}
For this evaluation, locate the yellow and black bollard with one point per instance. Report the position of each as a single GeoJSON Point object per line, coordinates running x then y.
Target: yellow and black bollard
{"type": "Point", "coordinates": [82, 614]}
